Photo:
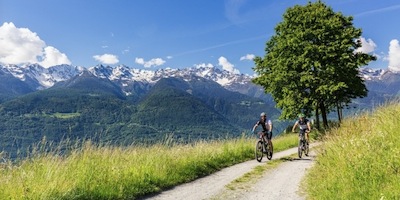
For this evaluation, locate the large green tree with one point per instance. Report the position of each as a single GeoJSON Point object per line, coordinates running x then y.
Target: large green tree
{"type": "Point", "coordinates": [311, 63]}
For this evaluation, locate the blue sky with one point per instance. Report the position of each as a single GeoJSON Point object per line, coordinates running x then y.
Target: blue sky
{"type": "Point", "coordinates": [154, 34]}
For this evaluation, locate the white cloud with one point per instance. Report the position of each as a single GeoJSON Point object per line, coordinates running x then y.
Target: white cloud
{"type": "Point", "coordinates": [108, 59]}
{"type": "Point", "coordinates": [19, 45]}
{"type": "Point", "coordinates": [394, 56]}
{"type": "Point", "coordinates": [22, 46]}
{"type": "Point", "coordinates": [368, 46]}
{"type": "Point", "coordinates": [151, 63]}
{"type": "Point", "coordinates": [248, 57]}
{"type": "Point", "coordinates": [226, 65]}
{"type": "Point", "coordinates": [53, 56]}
{"type": "Point", "coordinates": [139, 61]}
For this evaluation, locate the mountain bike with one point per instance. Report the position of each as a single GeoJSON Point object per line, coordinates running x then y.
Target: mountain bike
{"type": "Point", "coordinates": [303, 146]}
{"type": "Point", "coordinates": [263, 147]}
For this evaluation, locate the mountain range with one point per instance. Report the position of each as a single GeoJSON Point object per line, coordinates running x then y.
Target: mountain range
{"type": "Point", "coordinates": [127, 105]}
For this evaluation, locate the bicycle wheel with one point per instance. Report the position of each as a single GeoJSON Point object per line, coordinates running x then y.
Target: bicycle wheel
{"type": "Point", "coordinates": [259, 151]}
{"type": "Point", "coordinates": [270, 150]}
{"type": "Point", "coordinates": [300, 149]}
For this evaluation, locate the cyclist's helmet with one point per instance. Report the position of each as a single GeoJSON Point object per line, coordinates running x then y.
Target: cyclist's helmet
{"type": "Point", "coordinates": [263, 114]}
{"type": "Point", "coordinates": [301, 115]}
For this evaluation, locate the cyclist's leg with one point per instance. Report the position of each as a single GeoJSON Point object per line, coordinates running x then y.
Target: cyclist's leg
{"type": "Point", "coordinates": [307, 137]}
{"type": "Point", "coordinates": [299, 140]}
{"type": "Point", "coordinates": [261, 138]}
{"type": "Point", "coordinates": [269, 137]}
{"type": "Point", "coordinates": [263, 134]}
{"type": "Point", "coordinates": [301, 133]}
{"type": "Point", "coordinates": [265, 139]}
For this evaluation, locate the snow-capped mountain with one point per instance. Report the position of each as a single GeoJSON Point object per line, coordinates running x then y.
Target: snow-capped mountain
{"type": "Point", "coordinates": [124, 76]}
{"type": "Point", "coordinates": [372, 74]}
{"type": "Point", "coordinates": [40, 77]}
{"type": "Point", "coordinates": [130, 79]}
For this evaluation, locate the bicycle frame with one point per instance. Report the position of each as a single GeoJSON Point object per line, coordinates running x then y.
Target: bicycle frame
{"type": "Point", "coordinates": [302, 136]}
{"type": "Point", "coordinates": [263, 136]}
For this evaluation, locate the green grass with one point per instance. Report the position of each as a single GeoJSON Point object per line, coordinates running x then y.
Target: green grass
{"type": "Point", "coordinates": [92, 171]}
{"type": "Point", "coordinates": [360, 159]}
{"type": "Point", "coordinates": [55, 115]}
{"type": "Point", "coordinates": [66, 115]}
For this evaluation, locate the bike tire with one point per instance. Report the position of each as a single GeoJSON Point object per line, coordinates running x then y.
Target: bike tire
{"type": "Point", "coordinates": [270, 151]}
{"type": "Point", "coordinates": [300, 150]}
{"type": "Point", "coordinates": [259, 151]}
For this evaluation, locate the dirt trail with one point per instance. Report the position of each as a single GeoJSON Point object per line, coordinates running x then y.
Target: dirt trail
{"type": "Point", "coordinates": [279, 183]}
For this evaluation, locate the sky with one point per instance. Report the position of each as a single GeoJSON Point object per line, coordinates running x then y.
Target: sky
{"type": "Point", "coordinates": [156, 34]}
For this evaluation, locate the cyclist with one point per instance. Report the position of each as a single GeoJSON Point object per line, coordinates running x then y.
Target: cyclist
{"type": "Point", "coordinates": [304, 125]}
{"type": "Point", "coordinates": [266, 125]}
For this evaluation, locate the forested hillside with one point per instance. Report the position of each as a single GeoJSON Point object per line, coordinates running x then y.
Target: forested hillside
{"type": "Point", "coordinates": [91, 108]}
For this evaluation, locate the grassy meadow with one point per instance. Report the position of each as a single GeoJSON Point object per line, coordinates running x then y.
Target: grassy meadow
{"type": "Point", "coordinates": [360, 159]}
{"type": "Point", "coordinates": [90, 171]}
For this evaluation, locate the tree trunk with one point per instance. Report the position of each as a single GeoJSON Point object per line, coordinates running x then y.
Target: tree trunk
{"type": "Point", "coordinates": [317, 118]}
{"type": "Point", "coordinates": [338, 113]}
{"type": "Point", "coordinates": [323, 113]}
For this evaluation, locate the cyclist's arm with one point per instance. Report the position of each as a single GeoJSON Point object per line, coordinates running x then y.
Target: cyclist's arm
{"type": "Point", "coordinates": [269, 125]}
{"type": "Point", "coordinates": [309, 126]}
{"type": "Point", "coordinates": [254, 127]}
{"type": "Point", "coordinates": [295, 125]}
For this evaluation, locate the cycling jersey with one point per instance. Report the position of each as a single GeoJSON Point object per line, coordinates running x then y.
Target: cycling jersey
{"type": "Point", "coordinates": [264, 124]}
{"type": "Point", "coordinates": [303, 124]}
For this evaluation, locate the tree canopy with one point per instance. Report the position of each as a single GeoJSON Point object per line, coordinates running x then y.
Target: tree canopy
{"type": "Point", "coordinates": [312, 62]}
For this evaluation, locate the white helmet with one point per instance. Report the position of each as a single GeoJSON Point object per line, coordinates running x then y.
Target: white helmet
{"type": "Point", "coordinates": [263, 114]}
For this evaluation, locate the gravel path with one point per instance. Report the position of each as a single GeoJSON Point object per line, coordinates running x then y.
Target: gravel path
{"type": "Point", "coordinates": [282, 183]}
{"type": "Point", "coordinates": [279, 183]}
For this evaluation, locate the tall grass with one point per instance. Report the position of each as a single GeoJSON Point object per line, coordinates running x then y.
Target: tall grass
{"type": "Point", "coordinates": [361, 159]}
{"type": "Point", "coordinates": [91, 171]}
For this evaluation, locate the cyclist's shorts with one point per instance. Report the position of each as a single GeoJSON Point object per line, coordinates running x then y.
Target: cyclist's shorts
{"type": "Point", "coordinates": [269, 136]}
{"type": "Point", "coordinates": [302, 131]}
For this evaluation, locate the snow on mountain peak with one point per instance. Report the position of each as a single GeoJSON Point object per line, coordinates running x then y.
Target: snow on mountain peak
{"type": "Point", "coordinates": [14, 70]}
{"type": "Point", "coordinates": [370, 74]}
{"type": "Point", "coordinates": [123, 75]}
